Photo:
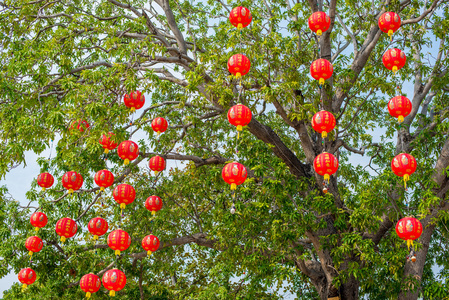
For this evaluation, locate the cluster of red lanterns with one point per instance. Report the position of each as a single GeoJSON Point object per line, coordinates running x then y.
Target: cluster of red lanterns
{"type": "Point", "coordinates": [239, 64]}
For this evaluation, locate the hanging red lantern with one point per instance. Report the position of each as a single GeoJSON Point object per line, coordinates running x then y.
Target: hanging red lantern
{"type": "Point", "coordinates": [27, 276]}
{"type": "Point", "coordinates": [90, 283]}
{"type": "Point", "coordinates": [119, 240]}
{"type": "Point", "coordinates": [409, 229]}
{"type": "Point", "coordinates": [404, 165]}
{"type": "Point", "coordinates": [150, 243]}
{"type": "Point", "coordinates": [321, 70]}
{"type": "Point", "coordinates": [239, 115]}
{"type": "Point", "coordinates": [389, 22]}
{"type": "Point", "coordinates": [239, 65]}
{"type": "Point", "coordinates": [234, 174]}
{"type": "Point", "coordinates": [135, 100]}
{"type": "Point", "coordinates": [323, 122]}
{"type": "Point", "coordinates": [98, 227]}
{"type": "Point", "coordinates": [72, 181]}
{"type": "Point", "coordinates": [114, 280]}
{"type": "Point", "coordinates": [66, 228]}
{"type": "Point", "coordinates": [33, 244]}
{"type": "Point", "coordinates": [319, 22]}
{"type": "Point", "coordinates": [38, 220]}
{"type": "Point", "coordinates": [399, 107]}
{"type": "Point", "coordinates": [153, 204]}
{"type": "Point", "coordinates": [81, 125]}
{"type": "Point", "coordinates": [394, 59]}
{"type": "Point", "coordinates": [124, 194]}
{"type": "Point", "coordinates": [240, 17]}
{"type": "Point", "coordinates": [45, 180]}
{"type": "Point", "coordinates": [107, 143]}
{"type": "Point", "coordinates": [104, 179]}
{"type": "Point", "coordinates": [325, 164]}
{"type": "Point", "coordinates": [157, 164]}
{"type": "Point", "coordinates": [128, 150]}
{"type": "Point", "coordinates": [159, 125]}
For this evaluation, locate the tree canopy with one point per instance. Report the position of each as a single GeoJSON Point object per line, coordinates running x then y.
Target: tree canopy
{"type": "Point", "coordinates": [63, 61]}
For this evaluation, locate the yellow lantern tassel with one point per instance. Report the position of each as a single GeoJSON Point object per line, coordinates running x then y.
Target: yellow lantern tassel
{"type": "Point", "coordinates": [133, 109]}
{"type": "Point", "coordinates": [149, 252]}
{"type": "Point", "coordinates": [71, 192]}
{"type": "Point", "coordinates": [30, 254]}
{"type": "Point", "coordinates": [122, 206]}
{"type": "Point", "coordinates": [36, 229]}
{"type": "Point", "coordinates": [153, 213]}
{"type": "Point", "coordinates": [321, 81]}
{"type": "Point", "coordinates": [24, 286]}
{"type": "Point", "coordinates": [95, 237]}
{"type": "Point", "coordinates": [406, 178]}
{"type": "Point", "coordinates": [117, 252]}
{"type": "Point", "coordinates": [63, 239]}
{"type": "Point", "coordinates": [409, 243]}
{"type": "Point", "coordinates": [102, 188]}
{"type": "Point", "coordinates": [156, 172]}
{"type": "Point", "coordinates": [400, 119]}
{"type": "Point", "coordinates": [390, 33]}
{"type": "Point", "coordinates": [239, 26]}
{"type": "Point", "coordinates": [106, 151]}
{"type": "Point", "coordinates": [319, 32]}
{"type": "Point", "coordinates": [395, 69]}
{"type": "Point", "coordinates": [324, 134]}
{"type": "Point", "coordinates": [326, 177]}
{"type": "Point", "coordinates": [126, 162]}
{"type": "Point", "coordinates": [43, 189]}
{"type": "Point", "coordinates": [238, 75]}
{"type": "Point", "coordinates": [233, 186]}
{"type": "Point", "coordinates": [112, 293]}
{"type": "Point", "coordinates": [88, 294]}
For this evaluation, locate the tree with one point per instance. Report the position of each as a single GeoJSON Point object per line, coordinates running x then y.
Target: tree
{"type": "Point", "coordinates": [63, 61]}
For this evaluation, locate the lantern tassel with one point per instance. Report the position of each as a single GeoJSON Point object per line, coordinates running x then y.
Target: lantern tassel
{"type": "Point", "coordinates": [71, 192]}
{"type": "Point", "coordinates": [326, 177]}
{"type": "Point", "coordinates": [153, 213]}
{"type": "Point", "coordinates": [324, 134]}
{"type": "Point", "coordinates": [321, 81]}
{"type": "Point", "coordinates": [106, 151]}
{"type": "Point", "coordinates": [319, 32]}
{"type": "Point", "coordinates": [102, 188]}
{"type": "Point", "coordinates": [43, 189]}
{"type": "Point", "coordinates": [117, 252]}
{"type": "Point", "coordinates": [24, 286]}
{"type": "Point", "coordinates": [239, 26]}
{"type": "Point", "coordinates": [88, 294]}
{"type": "Point", "coordinates": [122, 206]}
{"type": "Point", "coordinates": [30, 254]}
{"type": "Point", "coordinates": [390, 33]}
{"type": "Point", "coordinates": [406, 178]}
{"type": "Point", "coordinates": [133, 109]}
{"type": "Point", "coordinates": [149, 252]}
{"type": "Point", "coordinates": [394, 69]}
{"type": "Point", "coordinates": [95, 237]}
{"type": "Point", "coordinates": [63, 239]}
{"type": "Point", "coordinates": [238, 75]}
{"type": "Point", "coordinates": [112, 293]}
{"type": "Point", "coordinates": [36, 229]}
{"type": "Point", "coordinates": [233, 186]}
{"type": "Point", "coordinates": [400, 119]}
{"type": "Point", "coordinates": [409, 243]}
{"type": "Point", "coordinates": [126, 162]}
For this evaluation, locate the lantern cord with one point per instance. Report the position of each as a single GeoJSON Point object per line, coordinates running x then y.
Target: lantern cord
{"type": "Point", "coordinates": [51, 150]}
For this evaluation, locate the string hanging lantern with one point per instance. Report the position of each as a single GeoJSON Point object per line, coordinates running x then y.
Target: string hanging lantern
{"type": "Point", "coordinates": [321, 70]}
{"type": "Point", "coordinates": [119, 240]}
{"type": "Point", "coordinates": [323, 122]}
{"type": "Point", "coordinates": [240, 17]}
{"type": "Point", "coordinates": [394, 59]}
{"type": "Point", "coordinates": [134, 100]}
{"type": "Point", "coordinates": [72, 181]}
{"type": "Point", "coordinates": [404, 165]}
{"type": "Point", "coordinates": [90, 283]}
{"type": "Point", "coordinates": [150, 243]}
{"type": "Point", "coordinates": [33, 244]}
{"type": "Point", "coordinates": [399, 107]}
{"type": "Point", "coordinates": [45, 180]}
{"type": "Point", "coordinates": [27, 276]}
{"type": "Point", "coordinates": [38, 220]}
{"type": "Point", "coordinates": [107, 143]}
{"type": "Point", "coordinates": [239, 65]}
{"type": "Point", "coordinates": [159, 125]}
{"type": "Point", "coordinates": [97, 226]}
{"type": "Point", "coordinates": [114, 280]}
{"type": "Point", "coordinates": [81, 125]}
{"type": "Point", "coordinates": [124, 194]}
{"type": "Point", "coordinates": [157, 164]}
{"type": "Point", "coordinates": [128, 151]}
{"type": "Point", "coordinates": [66, 228]}
{"type": "Point", "coordinates": [234, 174]}
{"type": "Point", "coordinates": [239, 115]}
{"type": "Point", "coordinates": [409, 229]}
{"type": "Point", "coordinates": [389, 22]}
{"type": "Point", "coordinates": [153, 204]}
{"type": "Point", "coordinates": [104, 179]}
{"type": "Point", "coordinates": [319, 22]}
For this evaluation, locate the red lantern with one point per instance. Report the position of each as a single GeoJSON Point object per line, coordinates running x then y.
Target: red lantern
{"type": "Point", "coordinates": [45, 180]}
{"type": "Point", "coordinates": [394, 59]}
{"type": "Point", "coordinates": [119, 240]}
{"type": "Point", "coordinates": [27, 276]}
{"type": "Point", "coordinates": [66, 228]}
{"type": "Point", "coordinates": [107, 143]}
{"type": "Point", "coordinates": [90, 283]}
{"type": "Point", "coordinates": [135, 100]}
{"type": "Point", "coordinates": [104, 179]}
{"type": "Point", "coordinates": [98, 227]}
{"type": "Point", "coordinates": [323, 122]}
{"type": "Point", "coordinates": [409, 229]}
{"type": "Point", "coordinates": [159, 125]}
{"type": "Point", "coordinates": [157, 164]}
{"type": "Point", "coordinates": [114, 280]}
{"type": "Point", "coordinates": [124, 194]}
{"type": "Point", "coordinates": [321, 70]}
{"type": "Point", "coordinates": [81, 125]}
{"type": "Point", "coordinates": [153, 204]}
{"type": "Point", "coordinates": [72, 181]}
{"type": "Point", "coordinates": [150, 243]}
{"type": "Point", "coordinates": [38, 220]}
{"type": "Point", "coordinates": [240, 17]}
{"type": "Point", "coordinates": [128, 150]}
{"type": "Point", "coordinates": [399, 107]}
{"type": "Point", "coordinates": [325, 164]}
{"type": "Point", "coordinates": [234, 174]}
{"type": "Point", "coordinates": [239, 65]}
{"type": "Point", "coordinates": [389, 22]}
{"type": "Point", "coordinates": [319, 22]}
{"type": "Point", "coordinates": [239, 115]}
{"type": "Point", "coordinates": [33, 244]}
{"type": "Point", "coordinates": [404, 165]}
